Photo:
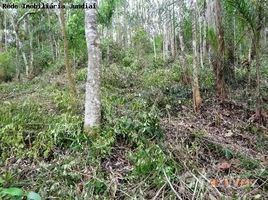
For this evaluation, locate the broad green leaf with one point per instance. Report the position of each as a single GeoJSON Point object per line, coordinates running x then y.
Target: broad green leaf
{"type": "Point", "coordinates": [12, 191]}
{"type": "Point", "coordinates": [1, 181]}
{"type": "Point", "coordinates": [33, 196]}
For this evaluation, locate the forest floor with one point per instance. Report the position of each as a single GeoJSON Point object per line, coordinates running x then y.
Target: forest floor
{"type": "Point", "coordinates": [174, 154]}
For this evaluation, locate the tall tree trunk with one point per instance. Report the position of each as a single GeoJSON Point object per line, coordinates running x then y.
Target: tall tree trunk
{"type": "Point", "coordinates": [258, 95]}
{"type": "Point", "coordinates": [17, 54]}
{"type": "Point", "coordinates": [174, 31]}
{"type": "Point", "coordinates": [200, 19]}
{"type": "Point", "coordinates": [5, 29]}
{"type": "Point", "coordinates": [166, 42]}
{"type": "Point", "coordinates": [66, 53]}
{"type": "Point", "coordinates": [195, 83]}
{"type": "Point", "coordinates": [31, 54]}
{"type": "Point", "coordinates": [93, 84]}
{"type": "Point", "coordinates": [182, 57]}
{"type": "Point", "coordinates": [27, 31]}
{"type": "Point", "coordinates": [51, 38]}
{"type": "Point", "coordinates": [2, 34]}
{"type": "Point", "coordinates": [205, 30]}
{"type": "Point", "coordinates": [154, 47]}
{"type": "Point", "coordinates": [257, 46]}
{"type": "Point", "coordinates": [219, 64]}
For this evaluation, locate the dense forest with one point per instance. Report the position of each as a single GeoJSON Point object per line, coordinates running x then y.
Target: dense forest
{"type": "Point", "coordinates": [134, 99]}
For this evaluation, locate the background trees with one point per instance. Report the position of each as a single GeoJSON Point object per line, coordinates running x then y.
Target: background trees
{"type": "Point", "coordinates": [177, 90]}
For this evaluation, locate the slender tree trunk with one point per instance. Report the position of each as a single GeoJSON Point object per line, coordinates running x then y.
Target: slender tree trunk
{"type": "Point", "coordinates": [253, 48]}
{"type": "Point", "coordinates": [25, 63]}
{"type": "Point", "coordinates": [17, 54]}
{"type": "Point", "coordinates": [174, 30]}
{"type": "Point", "coordinates": [31, 54]}
{"type": "Point", "coordinates": [154, 47]}
{"type": "Point", "coordinates": [2, 35]}
{"type": "Point", "coordinates": [195, 83]}
{"type": "Point", "coordinates": [66, 53]}
{"type": "Point", "coordinates": [93, 84]}
{"type": "Point", "coordinates": [182, 57]}
{"type": "Point", "coordinates": [57, 48]}
{"type": "Point", "coordinates": [5, 30]}
{"type": "Point", "coordinates": [204, 38]}
{"type": "Point", "coordinates": [258, 95]}
{"type": "Point", "coordinates": [166, 42]}
{"type": "Point", "coordinates": [265, 32]}
{"type": "Point", "coordinates": [257, 46]}
{"type": "Point", "coordinates": [234, 41]}
{"type": "Point", "coordinates": [51, 38]}
{"type": "Point", "coordinates": [28, 65]}
{"type": "Point", "coordinates": [200, 41]}
{"type": "Point", "coordinates": [219, 64]}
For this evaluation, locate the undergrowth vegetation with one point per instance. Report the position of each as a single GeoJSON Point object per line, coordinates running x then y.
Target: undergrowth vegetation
{"type": "Point", "coordinates": [136, 153]}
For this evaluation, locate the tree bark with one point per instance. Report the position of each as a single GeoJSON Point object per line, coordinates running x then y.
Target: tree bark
{"type": "Point", "coordinates": [93, 84]}
{"type": "Point", "coordinates": [258, 95]}
{"type": "Point", "coordinates": [219, 64]}
{"type": "Point", "coordinates": [5, 30]}
{"type": "Point", "coordinates": [257, 46]}
{"type": "Point", "coordinates": [66, 53]}
{"type": "Point", "coordinates": [182, 57]}
{"type": "Point", "coordinates": [195, 83]}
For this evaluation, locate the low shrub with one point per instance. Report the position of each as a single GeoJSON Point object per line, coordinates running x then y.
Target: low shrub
{"type": "Point", "coordinates": [7, 65]}
{"type": "Point", "coordinates": [28, 130]}
{"type": "Point", "coordinates": [81, 74]}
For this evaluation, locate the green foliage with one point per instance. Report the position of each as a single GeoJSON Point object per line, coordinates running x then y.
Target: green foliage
{"type": "Point", "coordinates": [152, 161]}
{"type": "Point", "coordinates": [138, 123]}
{"type": "Point", "coordinates": [14, 193]}
{"type": "Point", "coordinates": [129, 58]}
{"type": "Point", "coordinates": [137, 129]}
{"type": "Point", "coordinates": [76, 36]}
{"type": "Point", "coordinates": [81, 74]}
{"type": "Point", "coordinates": [141, 42]}
{"type": "Point", "coordinates": [106, 11]}
{"type": "Point", "coordinates": [111, 51]}
{"type": "Point", "coordinates": [212, 38]}
{"type": "Point", "coordinates": [161, 77]}
{"type": "Point", "coordinates": [119, 77]}
{"type": "Point", "coordinates": [43, 60]}
{"type": "Point", "coordinates": [7, 65]}
{"type": "Point", "coordinates": [247, 11]}
{"type": "Point", "coordinates": [159, 43]}
{"type": "Point", "coordinates": [28, 130]}
{"type": "Point", "coordinates": [97, 186]}
{"type": "Point", "coordinates": [158, 62]}
{"type": "Point", "coordinates": [207, 77]}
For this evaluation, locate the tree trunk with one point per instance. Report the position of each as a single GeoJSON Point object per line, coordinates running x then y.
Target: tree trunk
{"type": "Point", "coordinates": [2, 36]}
{"type": "Point", "coordinates": [93, 84]}
{"type": "Point", "coordinates": [28, 65]}
{"type": "Point", "coordinates": [219, 63]}
{"type": "Point", "coordinates": [31, 54]}
{"type": "Point", "coordinates": [174, 31]}
{"type": "Point", "coordinates": [258, 95]}
{"type": "Point", "coordinates": [5, 29]}
{"type": "Point", "coordinates": [200, 41]}
{"type": "Point", "coordinates": [66, 53]}
{"type": "Point", "coordinates": [17, 55]}
{"type": "Point", "coordinates": [51, 38]}
{"type": "Point", "coordinates": [182, 57]}
{"type": "Point", "coordinates": [195, 83]}
{"type": "Point", "coordinates": [257, 46]}
{"type": "Point", "coordinates": [154, 47]}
